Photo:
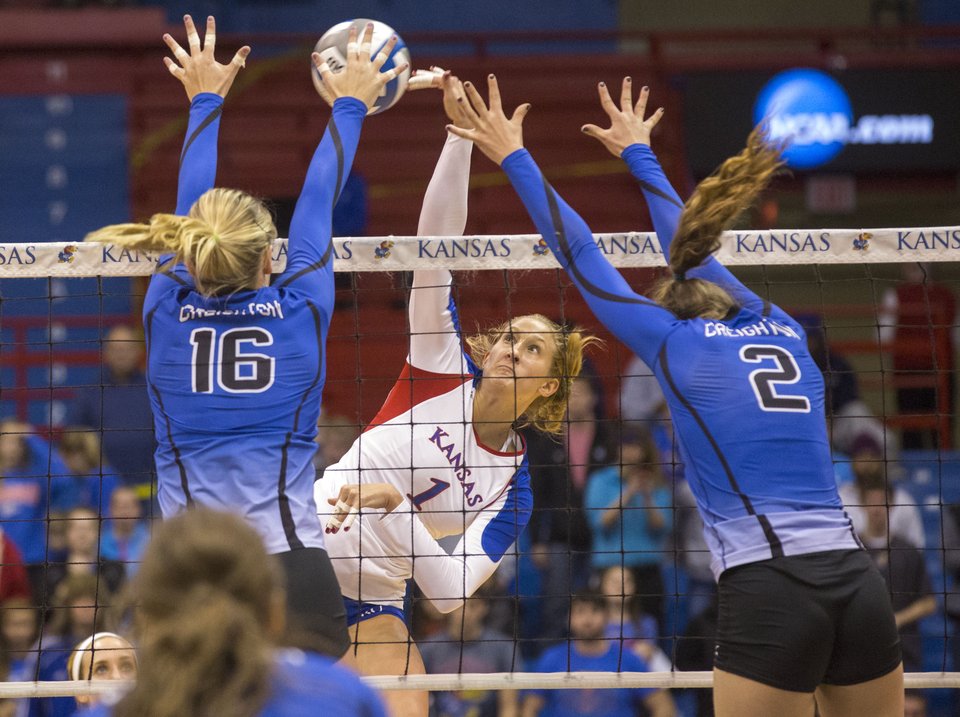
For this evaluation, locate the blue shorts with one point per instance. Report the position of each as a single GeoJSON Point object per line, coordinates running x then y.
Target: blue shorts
{"type": "Point", "coordinates": [360, 611]}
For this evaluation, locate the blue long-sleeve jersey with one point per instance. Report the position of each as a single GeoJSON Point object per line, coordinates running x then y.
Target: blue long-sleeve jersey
{"type": "Point", "coordinates": [747, 400]}
{"type": "Point", "coordinates": [235, 381]}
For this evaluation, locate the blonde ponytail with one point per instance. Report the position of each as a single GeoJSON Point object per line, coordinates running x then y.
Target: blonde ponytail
{"type": "Point", "coordinates": [162, 233]}
{"type": "Point", "coordinates": [222, 241]}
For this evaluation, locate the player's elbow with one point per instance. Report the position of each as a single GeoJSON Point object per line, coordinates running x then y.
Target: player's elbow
{"type": "Point", "coordinates": [446, 604]}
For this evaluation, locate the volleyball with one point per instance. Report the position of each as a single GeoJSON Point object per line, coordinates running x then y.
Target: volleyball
{"type": "Point", "coordinates": [332, 47]}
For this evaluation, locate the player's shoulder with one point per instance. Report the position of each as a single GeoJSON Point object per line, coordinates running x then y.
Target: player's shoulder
{"type": "Point", "coordinates": [302, 679]}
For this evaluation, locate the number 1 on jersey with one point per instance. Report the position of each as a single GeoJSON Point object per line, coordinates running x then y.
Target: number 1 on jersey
{"type": "Point", "coordinates": [423, 496]}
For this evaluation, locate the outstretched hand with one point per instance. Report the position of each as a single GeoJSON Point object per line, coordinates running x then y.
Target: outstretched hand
{"type": "Point", "coordinates": [495, 135]}
{"type": "Point", "coordinates": [627, 124]}
{"type": "Point", "coordinates": [453, 92]}
{"type": "Point", "coordinates": [361, 78]}
{"type": "Point", "coordinates": [198, 69]}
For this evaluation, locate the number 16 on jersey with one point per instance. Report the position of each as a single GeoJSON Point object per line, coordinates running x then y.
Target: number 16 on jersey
{"type": "Point", "coordinates": [229, 362]}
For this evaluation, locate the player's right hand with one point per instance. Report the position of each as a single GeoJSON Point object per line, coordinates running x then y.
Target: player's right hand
{"type": "Point", "coordinates": [198, 69]}
{"type": "Point", "coordinates": [496, 135]}
{"type": "Point", "coordinates": [453, 93]}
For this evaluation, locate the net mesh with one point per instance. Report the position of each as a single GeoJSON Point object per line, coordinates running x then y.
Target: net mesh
{"type": "Point", "coordinates": [880, 300]}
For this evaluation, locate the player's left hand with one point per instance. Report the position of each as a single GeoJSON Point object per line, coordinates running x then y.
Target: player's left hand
{"type": "Point", "coordinates": [627, 124]}
{"type": "Point", "coordinates": [495, 135]}
{"type": "Point", "coordinates": [198, 69]}
{"type": "Point", "coordinates": [355, 496]}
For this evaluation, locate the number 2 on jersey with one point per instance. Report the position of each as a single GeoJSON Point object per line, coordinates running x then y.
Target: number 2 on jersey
{"type": "Point", "coordinates": [764, 381]}
{"type": "Point", "coordinates": [236, 371]}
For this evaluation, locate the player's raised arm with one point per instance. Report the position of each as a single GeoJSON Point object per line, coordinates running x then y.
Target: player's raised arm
{"type": "Point", "coordinates": [605, 290]}
{"type": "Point", "coordinates": [628, 137]}
{"type": "Point", "coordinates": [206, 83]}
{"type": "Point", "coordinates": [434, 330]}
{"type": "Point", "coordinates": [353, 91]}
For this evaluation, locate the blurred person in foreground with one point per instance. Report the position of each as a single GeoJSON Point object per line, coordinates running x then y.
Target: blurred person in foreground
{"type": "Point", "coordinates": [210, 613]}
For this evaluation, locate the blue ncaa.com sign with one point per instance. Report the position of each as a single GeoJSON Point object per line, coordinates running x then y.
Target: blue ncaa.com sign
{"type": "Point", "coordinates": [811, 112]}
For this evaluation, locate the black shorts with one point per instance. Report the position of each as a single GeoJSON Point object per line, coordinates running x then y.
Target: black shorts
{"type": "Point", "coordinates": [797, 622]}
{"type": "Point", "coordinates": [316, 617]}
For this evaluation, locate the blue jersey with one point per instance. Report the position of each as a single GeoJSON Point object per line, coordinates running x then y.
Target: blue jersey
{"type": "Point", "coordinates": [235, 382]}
{"type": "Point", "coordinates": [747, 399]}
{"type": "Point", "coordinates": [301, 682]}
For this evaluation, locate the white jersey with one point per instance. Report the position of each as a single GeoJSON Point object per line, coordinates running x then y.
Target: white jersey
{"type": "Point", "coordinates": [423, 443]}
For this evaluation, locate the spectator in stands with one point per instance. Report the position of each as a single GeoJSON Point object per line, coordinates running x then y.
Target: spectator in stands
{"type": "Point", "coordinates": [469, 644]}
{"type": "Point", "coordinates": [696, 650]}
{"type": "Point", "coordinates": [19, 635]}
{"type": "Point", "coordinates": [119, 408]}
{"type": "Point", "coordinates": [917, 323]}
{"type": "Point", "coordinates": [426, 621]}
{"type": "Point", "coordinates": [914, 704]}
{"type": "Point", "coordinates": [8, 708]}
{"type": "Point", "coordinates": [950, 522]}
{"type": "Point", "coordinates": [83, 555]}
{"type": "Point", "coordinates": [93, 482]}
{"type": "Point", "coordinates": [641, 399]}
{"type": "Point", "coordinates": [627, 624]}
{"type": "Point", "coordinates": [19, 631]}
{"type": "Point", "coordinates": [335, 436]}
{"type": "Point", "coordinates": [33, 481]}
{"type": "Point", "coordinates": [853, 427]}
{"type": "Point", "coordinates": [124, 536]}
{"type": "Point", "coordinates": [80, 607]}
{"type": "Point", "coordinates": [101, 656]}
{"type": "Point", "coordinates": [589, 651]}
{"type": "Point", "coordinates": [870, 472]}
{"type": "Point", "coordinates": [904, 571]}
{"type": "Point", "coordinates": [628, 508]}
{"type": "Point", "coordinates": [692, 551]}
{"type": "Point", "coordinates": [14, 581]}
{"type": "Point", "coordinates": [558, 531]}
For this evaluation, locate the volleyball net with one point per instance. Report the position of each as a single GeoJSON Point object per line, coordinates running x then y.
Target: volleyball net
{"type": "Point", "coordinates": [879, 304]}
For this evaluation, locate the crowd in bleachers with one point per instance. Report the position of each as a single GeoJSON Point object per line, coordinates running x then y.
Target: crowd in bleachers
{"type": "Point", "coordinates": [614, 538]}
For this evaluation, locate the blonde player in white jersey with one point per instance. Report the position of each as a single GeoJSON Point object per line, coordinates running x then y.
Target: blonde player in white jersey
{"type": "Point", "coordinates": [442, 457]}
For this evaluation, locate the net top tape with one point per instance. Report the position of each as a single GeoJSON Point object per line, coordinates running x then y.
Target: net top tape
{"type": "Point", "coordinates": [782, 247]}
{"type": "Point", "coordinates": [478, 681]}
